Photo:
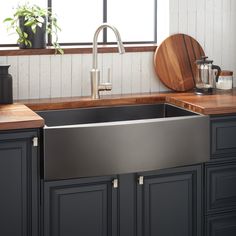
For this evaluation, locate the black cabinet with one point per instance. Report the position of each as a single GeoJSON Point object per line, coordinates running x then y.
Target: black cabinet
{"type": "Point", "coordinates": [170, 203]}
{"type": "Point", "coordinates": [220, 187]}
{"type": "Point", "coordinates": [86, 207]}
{"type": "Point", "coordinates": [162, 203]}
{"type": "Point", "coordinates": [221, 225]}
{"type": "Point", "coordinates": [223, 137]}
{"type": "Point", "coordinates": [220, 178]}
{"type": "Point", "coordinates": [19, 184]}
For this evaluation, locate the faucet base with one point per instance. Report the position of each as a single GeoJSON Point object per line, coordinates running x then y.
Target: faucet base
{"type": "Point", "coordinates": [95, 81]}
{"type": "Point", "coordinates": [96, 86]}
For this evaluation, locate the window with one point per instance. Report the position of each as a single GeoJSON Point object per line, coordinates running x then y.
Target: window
{"type": "Point", "coordinates": [78, 19]}
{"type": "Point", "coordinates": [134, 19]}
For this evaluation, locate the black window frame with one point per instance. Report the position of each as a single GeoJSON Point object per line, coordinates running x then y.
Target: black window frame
{"type": "Point", "coordinates": [105, 2]}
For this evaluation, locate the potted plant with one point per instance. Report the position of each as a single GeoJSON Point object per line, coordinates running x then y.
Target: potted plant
{"type": "Point", "coordinates": [32, 23]}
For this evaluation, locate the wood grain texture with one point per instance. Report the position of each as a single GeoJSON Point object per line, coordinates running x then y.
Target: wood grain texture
{"type": "Point", "coordinates": [18, 116]}
{"type": "Point", "coordinates": [221, 102]}
{"type": "Point", "coordinates": [82, 102]}
{"type": "Point", "coordinates": [14, 51]}
{"type": "Point", "coordinates": [174, 61]}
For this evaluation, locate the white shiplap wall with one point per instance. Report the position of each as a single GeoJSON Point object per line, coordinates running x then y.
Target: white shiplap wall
{"type": "Point", "coordinates": [69, 75]}
{"type": "Point", "coordinates": [211, 22]}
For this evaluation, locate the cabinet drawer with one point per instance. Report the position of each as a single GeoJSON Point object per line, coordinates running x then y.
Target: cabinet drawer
{"type": "Point", "coordinates": [221, 225]}
{"type": "Point", "coordinates": [223, 137]}
{"type": "Point", "coordinates": [220, 187]}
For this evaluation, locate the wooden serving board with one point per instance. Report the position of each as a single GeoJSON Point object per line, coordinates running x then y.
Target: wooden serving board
{"type": "Point", "coordinates": [174, 61]}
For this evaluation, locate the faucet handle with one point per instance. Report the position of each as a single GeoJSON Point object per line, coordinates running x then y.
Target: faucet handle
{"type": "Point", "coordinates": [106, 86]}
{"type": "Point", "coordinates": [108, 83]}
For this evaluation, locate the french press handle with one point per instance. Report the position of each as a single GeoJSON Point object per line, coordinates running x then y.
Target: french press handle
{"type": "Point", "coordinates": [204, 57]}
{"type": "Point", "coordinates": [215, 67]}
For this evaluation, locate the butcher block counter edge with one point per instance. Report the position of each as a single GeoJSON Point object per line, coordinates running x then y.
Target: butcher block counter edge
{"type": "Point", "coordinates": [221, 102]}
{"type": "Point", "coordinates": [18, 116]}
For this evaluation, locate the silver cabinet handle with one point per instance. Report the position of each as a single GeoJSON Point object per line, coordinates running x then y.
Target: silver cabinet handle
{"type": "Point", "coordinates": [35, 141]}
{"type": "Point", "coordinates": [115, 183]}
{"type": "Point", "coordinates": [140, 180]}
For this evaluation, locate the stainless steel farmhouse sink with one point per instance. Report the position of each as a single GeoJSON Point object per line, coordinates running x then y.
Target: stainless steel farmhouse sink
{"type": "Point", "coordinates": [122, 139]}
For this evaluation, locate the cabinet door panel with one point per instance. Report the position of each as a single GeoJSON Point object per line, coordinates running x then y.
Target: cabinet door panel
{"type": "Point", "coordinates": [19, 184]}
{"type": "Point", "coordinates": [170, 204]}
{"type": "Point", "coordinates": [13, 213]}
{"type": "Point", "coordinates": [75, 207]}
{"type": "Point", "coordinates": [223, 137]}
{"type": "Point", "coordinates": [221, 225]}
{"type": "Point", "coordinates": [220, 187]}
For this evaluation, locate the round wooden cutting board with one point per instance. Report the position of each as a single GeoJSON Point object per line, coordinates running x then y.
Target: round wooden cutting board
{"type": "Point", "coordinates": [174, 61]}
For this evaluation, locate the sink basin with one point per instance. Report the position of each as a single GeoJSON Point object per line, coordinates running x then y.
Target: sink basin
{"type": "Point", "coordinates": [122, 139]}
{"type": "Point", "coordinates": [111, 114]}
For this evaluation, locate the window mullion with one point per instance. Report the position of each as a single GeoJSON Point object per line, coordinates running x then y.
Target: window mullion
{"type": "Point", "coordinates": [105, 20]}
{"type": "Point", "coordinates": [155, 20]}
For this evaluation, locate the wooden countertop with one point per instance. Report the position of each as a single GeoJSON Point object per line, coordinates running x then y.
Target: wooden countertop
{"type": "Point", "coordinates": [18, 116]}
{"type": "Point", "coordinates": [222, 102]}
{"type": "Point", "coordinates": [83, 102]}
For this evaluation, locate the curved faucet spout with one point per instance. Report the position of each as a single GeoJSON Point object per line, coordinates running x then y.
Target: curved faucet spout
{"type": "Point", "coordinates": [96, 86]}
{"type": "Point", "coordinates": [95, 39]}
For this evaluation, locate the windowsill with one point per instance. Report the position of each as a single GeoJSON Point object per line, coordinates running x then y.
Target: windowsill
{"type": "Point", "coordinates": [15, 51]}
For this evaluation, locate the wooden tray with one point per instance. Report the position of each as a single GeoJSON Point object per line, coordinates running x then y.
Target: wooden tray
{"type": "Point", "coordinates": [174, 61]}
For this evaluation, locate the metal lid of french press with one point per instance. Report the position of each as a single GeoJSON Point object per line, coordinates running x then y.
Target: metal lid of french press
{"type": "Point", "coordinates": [204, 61]}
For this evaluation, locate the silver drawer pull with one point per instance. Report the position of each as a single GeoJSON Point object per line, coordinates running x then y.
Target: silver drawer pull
{"type": "Point", "coordinates": [140, 180]}
{"type": "Point", "coordinates": [35, 142]}
{"type": "Point", "coordinates": [115, 183]}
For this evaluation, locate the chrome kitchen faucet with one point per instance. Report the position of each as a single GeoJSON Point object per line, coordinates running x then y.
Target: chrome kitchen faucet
{"type": "Point", "coordinates": [96, 86]}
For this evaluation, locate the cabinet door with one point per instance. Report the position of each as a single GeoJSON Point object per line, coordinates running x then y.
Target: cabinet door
{"type": "Point", "coordinates": [223, 137]}
{"type": "Point", "coordinates": [169, 203]}
{"type": "Point", "coordinates": [18, 185]}
{"type": "Point", "coordinates": [220, 187]}
{"type": "Point", "coordinates": [86, 207]}
{"type": "Point", "coordinates": [221, 225]}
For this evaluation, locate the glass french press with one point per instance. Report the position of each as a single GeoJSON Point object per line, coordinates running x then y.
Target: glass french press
{"type": "Point", "coordinates": [207, 75]}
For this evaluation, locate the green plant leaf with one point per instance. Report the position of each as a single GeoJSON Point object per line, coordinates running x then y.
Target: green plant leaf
{"type": "Point", "coordinates": [40, 19]}
{"type": "Point", "coordinates": [7, 19]}
{"type": "Point", "coordinates": [58, 48]}
{"type": "Point", "coordinates": [29, 43]}
{"type": "Point", "coordinates": [19, 32]}
{"type": "Point", "coordinates": [25, 35]}
{"type": "Point", "coordinates": [29, 23]}
{"type": "Point", "coordinates": [40, 25]}
{"type": "Point", "coordinates": [33, 27]}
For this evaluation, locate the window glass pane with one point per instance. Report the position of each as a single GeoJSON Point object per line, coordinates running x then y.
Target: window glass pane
{"type": "Point", "coordinates": [134, 19]}
{"type": "Point", "coordinates": [7, 9]}
{"type": "Point", "coordinates": [78, 19]}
